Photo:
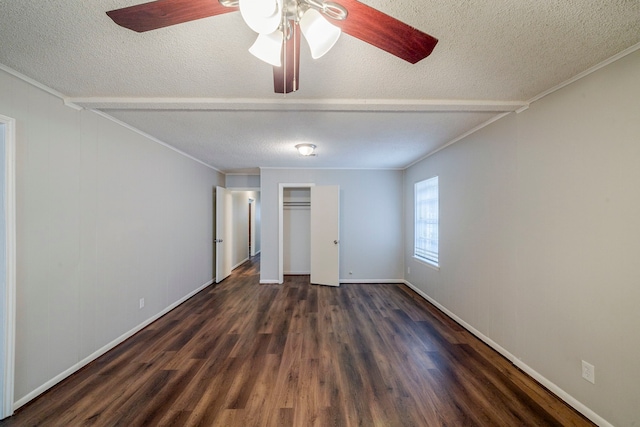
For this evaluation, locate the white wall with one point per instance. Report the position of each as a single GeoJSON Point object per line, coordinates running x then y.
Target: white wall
{"type": "Point", "coordinates": [370, 217]}
{"type": "Point", "coordinates": [242, 181]}
{"type": "Point", "coordinates": [540, 238]}
{"type": "Point", "coordinates": [105, 217]}
{"type": "Point", "coordinates": [3, 273]}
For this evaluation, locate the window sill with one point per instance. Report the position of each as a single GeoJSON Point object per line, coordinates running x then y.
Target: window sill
{"type": "Point", "coordinates": [428, 263]}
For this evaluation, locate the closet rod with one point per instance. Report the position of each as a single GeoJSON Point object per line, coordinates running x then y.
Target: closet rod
{"type": "Point", "coordinates": [301, 204]}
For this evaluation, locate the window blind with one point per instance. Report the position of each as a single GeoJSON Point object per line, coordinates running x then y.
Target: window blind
{"type": "Point", "coordinates": [426, 220]}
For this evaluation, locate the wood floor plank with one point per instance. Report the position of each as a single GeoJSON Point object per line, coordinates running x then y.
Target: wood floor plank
{"type": "Point", "coordinates": [259, 407]}
{"type": "Point", "coordinates": [162, 399]}
{"type": "Point", "coordinates": [295, 355]}
{"type": "Point", "coordinates": [286, 386]}
{"type": "Point", "coordinates": [211, 395]}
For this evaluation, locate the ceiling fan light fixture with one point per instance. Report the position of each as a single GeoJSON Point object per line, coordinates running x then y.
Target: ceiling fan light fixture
{"type": "Point", "coordinates": [266, 16]}
{"type": "Point", "coordinates": [268, 48]}
{"type": "Point", "coordinates": [305, 149]}
{"type": "Point", "coordinates": [321, 35]}
{"type": "Point", "coordinates": [262, 16]}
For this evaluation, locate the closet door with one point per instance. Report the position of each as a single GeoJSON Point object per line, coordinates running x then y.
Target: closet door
{"type": "Point", "coordinates": [325, 235]}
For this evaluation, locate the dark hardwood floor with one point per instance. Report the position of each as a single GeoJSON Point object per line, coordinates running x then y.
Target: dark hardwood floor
{"type": "Point", "coordinates": [244, 354]}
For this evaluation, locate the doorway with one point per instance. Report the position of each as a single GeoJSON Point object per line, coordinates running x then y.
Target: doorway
{"type": "Point", "coordinates": [7, 264]}
{"type": "Point", "coordinates": [281, 193]}
{"type": "Point", "coordinates": [236, 228]}
{"type": "Point", "coordinates": [324, 252]}
{"type": "Point", "coordinates": [296, 231]}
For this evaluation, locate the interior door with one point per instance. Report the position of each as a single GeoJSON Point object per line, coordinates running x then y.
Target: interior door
{"type": "Point", "coordinates": [325, 235]}
{"type": "Point", "coordinates": [223, 239]}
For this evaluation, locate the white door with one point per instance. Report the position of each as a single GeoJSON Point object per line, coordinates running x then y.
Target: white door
{"type": "Point", "coordinates": [223, 239]}
{"type": "Point", "coordinates": [325, 235]}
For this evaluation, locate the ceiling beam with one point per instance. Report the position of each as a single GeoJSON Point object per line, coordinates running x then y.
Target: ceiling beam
{"type": "Point", "coordinates": [263, 104]}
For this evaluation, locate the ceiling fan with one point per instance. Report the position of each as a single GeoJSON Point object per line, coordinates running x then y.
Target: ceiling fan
{"type": "Point", "coordinates": [279, 24]}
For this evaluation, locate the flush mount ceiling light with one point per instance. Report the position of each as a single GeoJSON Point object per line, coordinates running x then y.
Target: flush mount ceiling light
{"type": "Point", "coordinates": [281, 24]}
{"type": "Point", "coordinates": [306, 149]}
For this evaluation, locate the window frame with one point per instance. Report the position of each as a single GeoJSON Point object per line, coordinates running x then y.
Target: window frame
{"type": "Point", "coordinates": [424, 222]}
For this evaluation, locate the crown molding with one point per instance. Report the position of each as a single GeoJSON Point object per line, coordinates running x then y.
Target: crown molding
{"type": "Point", "coordinates": [154, 139]}
{"type": "Point", "coordinates": [526, 104]}
{"type": "Point", "coordinates": [583, 74]}
{"type": "Point", "coordinates": [40, 86]}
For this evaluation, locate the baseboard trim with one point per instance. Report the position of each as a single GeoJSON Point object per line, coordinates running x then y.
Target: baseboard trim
{"type": "Point", "coordinates": [345, 281]}
{"type": "Point", "coordinates": [570, 400]}
{"type": "Point", "coordinates": [239, 264]}
{"type": "Point", "coordinates": [371, 281]}
{"type": "Point", "coordinates": [55, 380]}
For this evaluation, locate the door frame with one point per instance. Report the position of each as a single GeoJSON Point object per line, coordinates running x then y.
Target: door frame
{"type": "Point", "coordinates": [252, 227]}
{"type": "Point", "coordinates": [281, 187]}
{"type": "Point", "coordinates": [9, 265]}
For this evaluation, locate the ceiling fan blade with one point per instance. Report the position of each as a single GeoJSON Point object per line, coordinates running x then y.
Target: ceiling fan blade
{"type": "Point", "coordinates": [164, 13]}
{"type": "Point", "coordinates": [381, 30]}
{"type": "Point", "coordinates": [285, 78]}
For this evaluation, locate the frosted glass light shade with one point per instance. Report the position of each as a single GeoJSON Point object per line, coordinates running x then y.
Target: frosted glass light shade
{"type": "Point", "coordinates": [268, 47]}
{"type": "Point", "coordinates": [305, 149]}
{"type": "Point", "coordinates": [320, 33]}
{"type": "Point", "coordinates": [262, 16]}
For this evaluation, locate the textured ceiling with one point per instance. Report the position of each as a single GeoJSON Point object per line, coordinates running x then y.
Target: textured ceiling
{"type": "Point", "coordinates": [194, 86]}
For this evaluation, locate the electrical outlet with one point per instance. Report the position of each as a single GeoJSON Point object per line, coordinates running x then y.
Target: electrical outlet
{"type": "Point", "coordinates": [588, 372]}
{"type": "Point", "coordinates": [408, 270]}
{"type": "Point", "coordinates": [141, 302]}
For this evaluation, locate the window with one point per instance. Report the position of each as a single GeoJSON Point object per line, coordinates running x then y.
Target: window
{"type": "Point", "coordinates": [426, 221]}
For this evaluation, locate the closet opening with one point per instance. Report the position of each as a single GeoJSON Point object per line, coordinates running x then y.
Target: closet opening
{"type": "Point", "coordinates": [297, 231]}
